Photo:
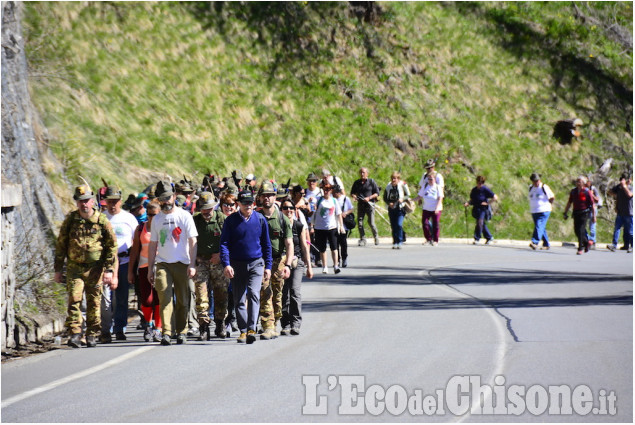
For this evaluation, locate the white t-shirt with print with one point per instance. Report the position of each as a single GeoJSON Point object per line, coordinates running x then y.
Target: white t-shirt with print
{"type": "Point", "coordinates": [539, 199]}
{"type": "Point", "coordinates": [325, 217]}
{"type": "Point", "coordinates": [123, 224]}
{"type": "Point", "coordinates": [172, 231]}
{"type": "Point", "coordinates": [430, 195]}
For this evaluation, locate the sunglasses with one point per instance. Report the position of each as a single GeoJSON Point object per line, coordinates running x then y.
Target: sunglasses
{"type": "Point", "coordinates": [229, 205]}
{"type": "Point", "coordinates": [151, 215]}
{"type": "Point", "coordinates": [288, 208]}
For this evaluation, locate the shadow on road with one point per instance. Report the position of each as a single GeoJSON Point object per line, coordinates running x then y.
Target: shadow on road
{"type": "Point", "coordinates": [374, 303]}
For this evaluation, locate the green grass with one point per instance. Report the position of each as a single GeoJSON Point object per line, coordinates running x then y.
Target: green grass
{"type": "Point", "coordinates": [130, 91]}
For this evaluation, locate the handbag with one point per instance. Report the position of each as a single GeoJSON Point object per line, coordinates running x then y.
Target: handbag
{"type": "Point", "coordinates": [409, 206]}
{"type": "Point", "coordinates": [349, 221]}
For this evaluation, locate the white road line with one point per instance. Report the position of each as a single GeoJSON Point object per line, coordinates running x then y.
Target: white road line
{"type": "Point", "coordinates": [73, 377]}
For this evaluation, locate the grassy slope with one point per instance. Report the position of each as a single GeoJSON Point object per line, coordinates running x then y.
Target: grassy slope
{"type": "Point", "coordinates": [132, 90]}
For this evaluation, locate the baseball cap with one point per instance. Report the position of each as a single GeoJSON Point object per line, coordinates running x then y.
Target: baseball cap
{"type": "Point", "coordinates": [246, 197]}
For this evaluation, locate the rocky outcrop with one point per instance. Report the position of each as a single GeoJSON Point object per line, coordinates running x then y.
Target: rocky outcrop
{"type": "Point", "coordinates": [27, 253]}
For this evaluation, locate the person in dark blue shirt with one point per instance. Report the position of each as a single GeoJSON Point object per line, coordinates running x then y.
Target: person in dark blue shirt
{"type": "Point", "coordinates": [245, 252]}
{"type": "Point", "coordinates": [480, 198]}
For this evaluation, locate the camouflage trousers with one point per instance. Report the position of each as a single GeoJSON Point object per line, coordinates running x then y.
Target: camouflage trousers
{"type": "Point", "coordinates": [271, 295]}
{"type": "Point", "coordinates": [82, 278]}
{"type": "Point", "coordinates": [210, 275]}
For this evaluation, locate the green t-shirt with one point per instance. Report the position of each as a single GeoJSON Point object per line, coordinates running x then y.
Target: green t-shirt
{"type": "Point", "coordinates": [209, 233]}
{"type": "Point", "coordinates": [277, 234]}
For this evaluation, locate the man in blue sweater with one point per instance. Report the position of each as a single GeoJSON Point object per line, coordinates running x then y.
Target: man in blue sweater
{"type": "Point", "coordinates": [245, 251]}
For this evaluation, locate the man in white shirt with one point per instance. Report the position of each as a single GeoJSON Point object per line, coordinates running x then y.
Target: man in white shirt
{"type": "Point", "coordinates": [124, 225]}
{"type": "Point", "coordinates": [540, 204]}
{"type": "Point", "coordinates": [173, 249]}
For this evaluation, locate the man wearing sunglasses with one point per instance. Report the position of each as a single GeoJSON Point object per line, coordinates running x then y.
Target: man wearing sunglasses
{"type": "Point", "coordinates": [245, 252]}
{"type": "Point", "coordinates": [281, 237]}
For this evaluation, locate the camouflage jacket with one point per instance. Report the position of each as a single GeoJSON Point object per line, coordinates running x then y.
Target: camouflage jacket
{"type": "Point", "coordinates": [86, 241]}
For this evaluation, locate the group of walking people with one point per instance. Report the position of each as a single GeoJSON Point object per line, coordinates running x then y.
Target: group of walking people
{"type": "Point", "coordinates": [235, 252]}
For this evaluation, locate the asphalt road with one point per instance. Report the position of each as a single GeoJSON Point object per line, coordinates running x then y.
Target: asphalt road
{"type": "Point", "coordinates": [419, 334]}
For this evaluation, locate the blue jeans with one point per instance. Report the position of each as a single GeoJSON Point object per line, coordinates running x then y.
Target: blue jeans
{"type": "Point", "coordinates": [625, 221]}
{"type": "Point", "coordinates": [540, 228]}
{"type": "Point", "coordinates": [121, 300]}
{"type": "Point", "coordinates": [396, 216]}
{"type": "Point", "coordinates": [481, 225]}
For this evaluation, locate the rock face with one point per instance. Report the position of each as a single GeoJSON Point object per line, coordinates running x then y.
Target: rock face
{"type": "Point", "coordinates": [27, 247]}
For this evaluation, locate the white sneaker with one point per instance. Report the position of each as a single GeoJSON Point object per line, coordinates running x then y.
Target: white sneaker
{"type": "Point", "coordinates": [325, 270]}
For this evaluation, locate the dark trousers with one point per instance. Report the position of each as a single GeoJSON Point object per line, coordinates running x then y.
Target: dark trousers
{"type": "Point", "coordinates": [292, 298]}
{"type": "Point", "coordinates": [363, 209]}
{"type": "Point", "coordinates": [342, 245]}
{"type": "Point", "coordinates": [481, 224]}
{"type": "Point", "coordinates": [579, 226]}
{"type": "Point", "coordinates": [121, 300]}
{"type": "Point", "coordinates": [246, 285]}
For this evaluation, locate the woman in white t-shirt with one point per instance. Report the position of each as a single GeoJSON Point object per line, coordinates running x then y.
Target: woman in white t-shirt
{"type": "Point", "coordinates": [431, 194]}
{"type": "Point", "coordinates": [327, 222]}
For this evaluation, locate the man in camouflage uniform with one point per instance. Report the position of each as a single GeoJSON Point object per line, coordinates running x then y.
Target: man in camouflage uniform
{"type": "Point", "coordinates": [281, 236]}
{"type": "Point", "coordinates": [86, 238]}
{"type": "Point", "coordinates": [209, 270]}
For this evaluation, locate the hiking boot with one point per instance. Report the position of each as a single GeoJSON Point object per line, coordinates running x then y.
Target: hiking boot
{"type": "Point", "coordinates": [120, 336]}
{"type": "Point", "coordinates": [268, 334]}
{"type": "Point", "coordinates": [220, 329]}
{"type": "Point", "coordinates": [105, 338]}
{"type": "Point", "coordinates": [242, 338]}
{"type": "Point", "coordinates": [611, 247]}
{"type": "Point", "coordinates": [624, 248]}
{"type": "Point", "coordinates": [147, 333]}
{"type": "Point", "coordinates": [156, 335]}
{"type": "Point", "coordinates": [75, 341]}
{"type": "Point", "coordinates": [203, 331]}
{"type": "Point", "coordinates": [284, 331]}
{"type": "Point", "coordinates": [376, 240]}
{"type": "Point", "coordinates": [295, 331]}
{"type": "Point", "coordinates": [251, 336]}
{"type": "Point", "coordinates": [91, 341]}
{"type": "Point", "coordinates": [533, 246]}
{"type": "Point", "coordinates": [165, 340]}
{"type": "Point", "coordinates": [181, 339]}
{"type": "Point", "coordinates": [587, 246]}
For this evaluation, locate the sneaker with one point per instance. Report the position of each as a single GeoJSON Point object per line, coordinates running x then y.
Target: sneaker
{"type": "Point", "coordinates": [611, 247]}
{"type": "Point", "coordinates": [489, 241]}
{"type": "Point", "coordinates": [587, 247]}
{"type": "Point", "coordinates": [580, 251]}
{"type": "Point", "coordinates": [475, 242]}
{"type": "Point", "coordinates": [251, 336]}
{"type": "Point", "coordinates": [545, 247]}
{"type": "Point", "coordinates": [75, 341]}
{"type": "Point", "coordinates": [91, 341]}
{"type": "Point", "coordinates": [624, 248]}
{"type": "Point", "coordinates": [336, 270]}
{"type": "Point", "coordinates": [156, 335]}
{"type": "Point", "coordinates": [376, 240]}
{"type": "Point", "coordinates": [147, 333]}
{"type": "Point", "coordinates": [629, 249]}
{"type": "Point", "coordinates": [434, 243]}
{"type": "Point", "coordinates": [242, 338]}
{"type": "Point", "coordinates": [592, 245]}
{"type": "Point", "coordinates": [269, 334]}
{"type": "Point", "coordinates": [533, 246]}
{"type": "Point", "coordinates": [105, 338]}
{"type": "Point", "coordinates": [284, 331]}
{"type": "Point", "coordinates": [181, 339]}
{"type": "Point", "coordinates": [166, 340]}
{"type": "Point", "coordinates": [344, 263]}
{"type": "Point", "coordinates": [295, 331]}
{"type": "Point", "coordinates": [325, 270]}
{"type": "Point", "coordinates": [120, 336]}
{"type": "Point", "coordinates": [361, 242]}
{"type": "Point", "coordinates": [394, 246]}
{"type": "Point", "coordinates": [193, 332]}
